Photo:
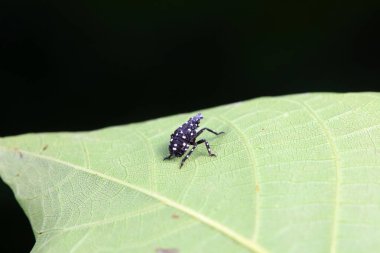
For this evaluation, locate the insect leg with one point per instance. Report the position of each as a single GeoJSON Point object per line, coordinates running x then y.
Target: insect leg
{"type": "Point", "coordinates": [207, 146]}
{"type": "Point", "coordinates": [188, 155]}
{"type": "Point", "coordinates": [208, 129]}
{"type": "Point", "coordinates": [168, 157]}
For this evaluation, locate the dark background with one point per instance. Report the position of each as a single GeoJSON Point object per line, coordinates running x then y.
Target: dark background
{"type": "Point", "coordinates": [81, 65]}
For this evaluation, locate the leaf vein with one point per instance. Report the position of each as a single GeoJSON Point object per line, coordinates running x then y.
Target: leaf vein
{"type": "Point", "coordinates": [255, 176]}
{"type": "Point", "coordinates": [245, 242]}
{"type": "Point", "coordinates": [330, 139]}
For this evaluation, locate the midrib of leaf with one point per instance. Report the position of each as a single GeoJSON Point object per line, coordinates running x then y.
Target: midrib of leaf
{"type": "Point", "coordinates": [330, 139]}
{"type": "Point", "coordinates": [251, 245]}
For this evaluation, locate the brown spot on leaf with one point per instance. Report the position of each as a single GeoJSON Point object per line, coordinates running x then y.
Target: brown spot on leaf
{"type": "Point", "coordinates": [175, 216]}
{"type": "Point", "coordinates": [45, 147]}
{"type": "Point", "coordinates": [257, 188]}
{"type": "Point", "coordinates": [162, 250]}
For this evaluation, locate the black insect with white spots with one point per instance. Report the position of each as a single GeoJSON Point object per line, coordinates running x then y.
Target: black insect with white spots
{"type": "Point", "coordinates": [186, 136]}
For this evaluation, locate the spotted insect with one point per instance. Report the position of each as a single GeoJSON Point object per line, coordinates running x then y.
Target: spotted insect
{"type": "Point", "coordinates": [185, 136]}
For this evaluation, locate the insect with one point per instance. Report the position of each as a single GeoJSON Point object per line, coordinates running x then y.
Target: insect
{"type": "Point", "coordinates": [185, 136]}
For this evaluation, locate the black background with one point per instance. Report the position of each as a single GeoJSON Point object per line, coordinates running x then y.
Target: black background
{"type": "Point", "coordinates": [81, 65]}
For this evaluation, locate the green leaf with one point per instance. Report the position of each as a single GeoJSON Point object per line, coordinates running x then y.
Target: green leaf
{"type": "Point", "coordinates": [296, 173]}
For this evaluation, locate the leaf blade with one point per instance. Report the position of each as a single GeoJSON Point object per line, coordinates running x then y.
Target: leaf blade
{"type": "Point", "coordinates": [289, 176]}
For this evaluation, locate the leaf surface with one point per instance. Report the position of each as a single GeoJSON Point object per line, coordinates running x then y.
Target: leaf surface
{"type": "Point", "coordinates": [298, 173]}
